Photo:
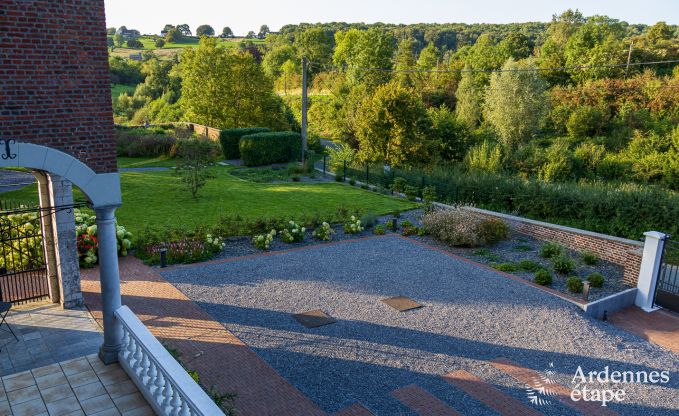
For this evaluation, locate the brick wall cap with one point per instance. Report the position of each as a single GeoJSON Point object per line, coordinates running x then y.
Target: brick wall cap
{"type": "Point", "coordinates": [549, 225]}
{"type": "Point", "coordinates": [656, 234]}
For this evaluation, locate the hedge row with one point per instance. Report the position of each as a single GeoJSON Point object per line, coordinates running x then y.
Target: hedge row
{"type": "Point", "coordinates": [230, 140]}
{"type": "Point", "coordinates": [621, 210]}
{"type": "Point", "coordinates": [267, 148]}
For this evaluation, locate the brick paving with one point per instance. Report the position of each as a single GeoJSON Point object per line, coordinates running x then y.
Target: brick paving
{"type": "Point", "coordinates": [660, 327]}
{"type": "Point", "coordinates": [354, 410]}
{"type": "Point", "coordinates": [489, 395]}
{"type": "Point", "coordinates": [221, 359]}
{"type": "Point", "coordinates": [562, 393]}
{"type": "Point", "coordinates": [422, 402]}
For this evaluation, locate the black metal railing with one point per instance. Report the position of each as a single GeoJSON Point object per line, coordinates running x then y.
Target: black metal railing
{"type": "Point", "coordinates": [667, 289]}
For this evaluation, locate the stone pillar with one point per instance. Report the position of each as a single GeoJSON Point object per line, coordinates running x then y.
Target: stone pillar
{"type": "Point", "coordinates": [650, 266]}
{"type": "Point", "coordinates": [63, 225]}
{"type": "Point", "coordinates": [48, 234]}
{"type": "Point", "coordinates": [110, 283]}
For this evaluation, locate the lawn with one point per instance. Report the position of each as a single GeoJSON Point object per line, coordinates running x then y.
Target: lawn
{"type": "Point", "coordinates": [117, 89]}
{"type": "Point", "coordinates": [139, 162]}
{"type": "Point", "coordinates": [172, 48]}
{"type": "Point", "coordinates": [156, 199]}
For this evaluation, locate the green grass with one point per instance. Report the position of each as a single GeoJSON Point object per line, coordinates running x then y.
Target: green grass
{"type": "Point", "coordinates": [156, 199]}
{"type": "Point", "coordinates": [190, 42]}
{"type": "Point", "coordinates": [117, 89]}
{"type": "Point", "coordinates": [144, 162]}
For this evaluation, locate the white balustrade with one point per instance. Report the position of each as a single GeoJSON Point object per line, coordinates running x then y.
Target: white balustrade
{"type": "Point", "coordinates": [165, 384]}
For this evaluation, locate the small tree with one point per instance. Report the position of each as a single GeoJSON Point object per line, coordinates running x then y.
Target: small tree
{"type": "Point", "coordinates": [119, 40]}
{"type": "Point", "coordinates": [205, 30]}
{"type": "Point", "coordinates": [263, 31]}
{"type": "Point", "coordinates": [160, 42]}
{"type": "Point", "coordinates": [251, 35]}
{"type": "Point", "coordinates": [193, 157]}
{"type": "Point", "coordinates": [227, 32]}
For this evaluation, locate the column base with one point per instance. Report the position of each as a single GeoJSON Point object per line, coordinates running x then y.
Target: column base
{"type": "Point", "coordinates": [109, 355]}
{"type": "Point", "coordinates": [651, 309]}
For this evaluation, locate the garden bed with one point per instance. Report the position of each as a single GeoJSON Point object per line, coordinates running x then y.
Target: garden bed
{"type": "Point", "coordinates": [518, 247]}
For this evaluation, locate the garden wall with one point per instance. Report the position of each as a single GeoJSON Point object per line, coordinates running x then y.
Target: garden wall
{"type": "Point", "coordinates": [624, 252]}
{"type": "Point", "coordinates": [201, 130]}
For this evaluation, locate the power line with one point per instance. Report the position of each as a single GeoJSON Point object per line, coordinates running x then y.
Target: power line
{"type": "Point", "coordinates": [563, 68]}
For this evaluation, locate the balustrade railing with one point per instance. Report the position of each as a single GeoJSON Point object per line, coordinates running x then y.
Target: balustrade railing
{"type": "Point", "coordinates": [161, 379]}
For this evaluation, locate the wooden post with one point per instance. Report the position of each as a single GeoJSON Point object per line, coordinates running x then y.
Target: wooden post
{"type": "Point", "coordinates": [304, 107]}
{"type": "Point", "coordinates": [629, 57]}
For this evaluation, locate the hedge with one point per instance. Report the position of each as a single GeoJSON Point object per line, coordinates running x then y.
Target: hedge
{"type": "Point", "coordinates": [230, 139]}
{"type": "Point", "coordinates": [267, 148]}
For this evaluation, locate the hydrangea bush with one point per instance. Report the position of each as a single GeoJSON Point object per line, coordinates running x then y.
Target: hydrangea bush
{"type": "Point", "coordinates": [263, 241]}
{"type": "Point", "coordinates": [88, 243]}
{"type": "Point", "coordinates": [353, 226]}
{"type": "Point", "coordinates": [21, 254]}
{"type": "Point", "coordinates": [214, 243]}
{"type": "Point", "coordinates": [292, 233]}
{"type": "Point", "coordinates": [324, 232]}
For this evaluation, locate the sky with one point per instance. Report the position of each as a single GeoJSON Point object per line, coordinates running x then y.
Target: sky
{"type": "Point", "coordinates": [149, 16]}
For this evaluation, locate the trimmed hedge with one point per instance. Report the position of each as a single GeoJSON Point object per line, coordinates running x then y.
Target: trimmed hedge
{"type": "Point", "coordinates": [267, 148]}
{"type": "Point", "coordinates": [230, 139]}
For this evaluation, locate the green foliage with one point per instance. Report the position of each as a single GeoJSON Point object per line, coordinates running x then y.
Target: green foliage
{"type": "Point", "coordinates": [516, 102]}
{"type": "Point", "coordinates": [543, 277]}
{"type": "Point", "coordinates": [267, 148]}
{"type": "Point", "coordinates": [450, 134]}
{"type": "Point", "coordinates": [505, 267]}
{"type": "Point", "coordinates": [379, 230]}
{"type": "Point", "coordinates": [205, 30]}
{"type": "Point", "coordinates": [410, 192]}
{"type": "Point", "coordinates": [292, 233]}
{"type": "Point", "coordinates": [529, 266]}
{"type": "Point", "coordinates": [192, 159]}
{"type": "Point", "coordinates": [587, 121]}
{"type": "Point", "coordinates": [461, 227]}
{"type": "Point", "coordinates": [371, 48]}
{"type": "Point", "coordinates": [574, 284]}
{"type": "Point", "coordinates": [324, 232]}
{"type": "Point", "coordinates": [589, 257]}
{"type": "Point", "coordinates": [340, 154]}
{"type": "Point", "coordinates": [369, 220]}
{"type": "Point", "coordinates": [469, 108]}
{"type": "Point", "coordinates": [399, 185]}
{"type": "Point", "coordinates": [563, 264]}
{"type": "Point", "coordinates": [230, 140]}
{"type": "Point", "coordinates": [596, 280]}
{"type": "Point", "coordinates": [228, 89]}
{"type": "Point", "coordinates": [392, 126]}
{"type": "Point", "coordinates": [559, 166]}
{"type": "Point", "coordinates": [485, 157]}
{"type": "Point", "coordinates": [493, 230]}
{"type": "Point", "coordinates": [353, 225]}
{"type": "Point", "coordinates": [263, 241]}
{"type": "Point", "coordinates": [429, 194]}
{"type": "Point", "coordinates": [551, 250]}
{"type": "Point", "coordinates": [523, 247]}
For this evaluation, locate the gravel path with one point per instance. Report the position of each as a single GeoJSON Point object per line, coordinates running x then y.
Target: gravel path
{"type": "Point", "coordinates": [471, 315]}
{"type": "Point", "coordinates": [13, 180]}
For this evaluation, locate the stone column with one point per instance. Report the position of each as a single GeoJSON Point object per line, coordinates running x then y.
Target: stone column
{"type": "Point", "coordinates": [48, 234]}
{"type": "Point", "coordinates": [650, 266]}
{"type": "Point", "coordinates": [110, 283]}
{"type": "Point", "coordinates": [63, 225]}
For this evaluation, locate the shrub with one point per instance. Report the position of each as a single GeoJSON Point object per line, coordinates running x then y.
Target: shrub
{"type": "Point", "coordinates": [160, 43]}
{"type": "Point", "coordinates": [379, 230]}
{"type": "Point", "coordinates": [494, 230]}
{"type": "Point", "coordinates": [596, 280]}
{"type": "Point", "coordinates": [410, 192]}
{"type": "Point", "coordinates": [407, 230]}
{"type": "Point", "coordinates": [589, 258]}
{"type": "Point", "coordinates": [369, 220]}
{"type": "Point", "coordinates": [529, 266]}
{"type": "Point", "coordinates": [324, 232]}
{"type": "Point", "coordinates": [551, 250]}
{"type": "Point", "coordinates": [292, 233]}
{"type": "Point", "coordinates": [523, 247]}
{"type": "Point", "coordinates": [574, 284]}
{"type": "Point", "coordinates": [296, 178]}
{"type": "Point", "coordinates": [505, 267]}
{"type": "Point", "coordinates": [230, 140]}
{"type": "Point", "coordinates": [399, 185]}
{"type": "Point", "coordinates": [543, 277]}
{"type": "Point", "coordinates": [143, 143]}
{"type": "Point", "coordinates": [339, 178]}
{"type": "Point", "coordinates": [353, 226]}
{"type": "Point", "coordinates": [352, 181]}
{"type": "Point", "coordinates": [268, 148]}
{"type": "Point", "coordinates": [429, 194]}
{"type": "Point", "coordinates": [263, 241]}
{"type": "Point", "coordinates": [461, 227]}
{"type": "Point", "coordinates": [563, 264]}
{"type": "Point", "coordinates": [135, 44]}
{"type": "Point", "coordinates": [86, 231]}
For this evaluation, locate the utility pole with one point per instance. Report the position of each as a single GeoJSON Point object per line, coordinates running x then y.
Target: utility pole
{"type": "Point", "coordinates": [305, 108]}
{"type": "Point", "coordinates": [629, 57]}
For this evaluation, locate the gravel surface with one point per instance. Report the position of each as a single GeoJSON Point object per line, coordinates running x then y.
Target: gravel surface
{"type": "Point", "coordinates": [470, 315]}
{"type": "Point", "coordinates": [13, 180]}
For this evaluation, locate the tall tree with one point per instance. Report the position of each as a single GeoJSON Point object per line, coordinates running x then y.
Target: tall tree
{"type": "Point", "coordinates": [316, 45]}
{"type": "Point", "coordinates": [405, 61]}
{"type": "Point", "coordinates": [263, 31]}
{"type": "Point", "coordinates": [184, 29]}
{"type": "Point", "coordinates": [597, 43]}
{"type": "Point", "coordinates": [227, 32]}
{"type": "Point", "coordinates": [366, 54]}
{"type": "Point", "coordinates": [224, 88]}
{"type": "Point", "coordinates": [205, 30]}
{"type": "Point", "coordinates": [470, 98]}
{"type": "Point", "coordinates": [516, 102]}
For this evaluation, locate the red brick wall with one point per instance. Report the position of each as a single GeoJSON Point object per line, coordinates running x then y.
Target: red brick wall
{"type": "Point", "coordinates": [625, 253]}
{"type": "Point", "coordinates": [54, 78]}
{"type": "Point", "coordinates": [201, 130]}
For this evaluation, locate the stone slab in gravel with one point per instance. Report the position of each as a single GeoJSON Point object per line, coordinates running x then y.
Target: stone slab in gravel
{"type": "Point", "coordinates": [470, 316]}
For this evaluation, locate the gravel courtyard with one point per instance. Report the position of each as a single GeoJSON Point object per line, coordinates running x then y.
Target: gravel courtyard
{"type": "Point", "coordinates": [470, 316]}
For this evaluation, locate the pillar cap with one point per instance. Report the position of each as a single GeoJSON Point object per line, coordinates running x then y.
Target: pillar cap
{"type": "Point", "coordinates": [655, 234]}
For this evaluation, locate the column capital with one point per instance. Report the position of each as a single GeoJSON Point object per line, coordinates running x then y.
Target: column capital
{"type": "Point", "coordinates": [656, 234]}
{"type": "Point", "coordinates": [106, 213]}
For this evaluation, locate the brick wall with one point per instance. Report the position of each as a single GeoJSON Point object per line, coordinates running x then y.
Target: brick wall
{"type": "Point", "coordinates": [54, 78]}
{"type": "Point", "coordinates": [201, 130]}
{"type": "Point", "coordinates": [626, 253]}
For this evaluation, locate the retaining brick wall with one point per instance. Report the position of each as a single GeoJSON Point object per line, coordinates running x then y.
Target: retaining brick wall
{"type": "Point", "coordinates": [624, 252]}
{"type": "Point", "coordinates": [55, 87]}
{"type": "Point", "coordinates": [201, 130]}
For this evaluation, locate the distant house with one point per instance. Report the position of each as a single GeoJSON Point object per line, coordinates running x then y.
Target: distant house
{"type": "Point", "coordinates": [128, 33]}
{"type": "Point", "coordinates": [136, 57]}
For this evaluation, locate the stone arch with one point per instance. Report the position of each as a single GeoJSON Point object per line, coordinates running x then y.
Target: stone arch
{"type": "Point", "coordinates": [102, 189]}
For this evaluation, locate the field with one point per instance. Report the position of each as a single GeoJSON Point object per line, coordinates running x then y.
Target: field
{"type": "Point", "coordinates": [117, 89]}
{"type": "Point", "coordinates": [156, 199]}
{"type": "Point", "coordinates": [173, 48]}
